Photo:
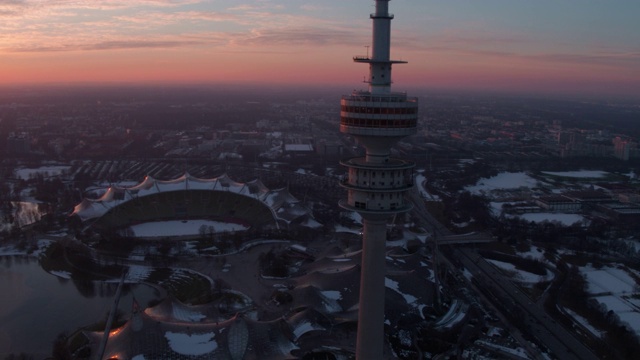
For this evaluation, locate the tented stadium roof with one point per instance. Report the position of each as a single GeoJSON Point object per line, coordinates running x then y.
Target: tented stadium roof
{"type": "Point", "coordinates": [284, 206]}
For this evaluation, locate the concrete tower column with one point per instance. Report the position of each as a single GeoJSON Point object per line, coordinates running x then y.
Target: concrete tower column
{"type": "Point", "coordinates": [376, 183]}
{"type": "Point", "coordinates": [372, 282]}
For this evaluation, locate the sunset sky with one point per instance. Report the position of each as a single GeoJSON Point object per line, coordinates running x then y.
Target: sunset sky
{"type": "Point", "coordinates": [560, 46]}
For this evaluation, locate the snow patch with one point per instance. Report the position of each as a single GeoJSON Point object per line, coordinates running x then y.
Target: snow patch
{"type": "Point", "coordinates": [191, 344]}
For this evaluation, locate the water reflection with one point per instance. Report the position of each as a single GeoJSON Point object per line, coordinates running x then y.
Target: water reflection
{"type": "Point", "coordinates": [36, 306]}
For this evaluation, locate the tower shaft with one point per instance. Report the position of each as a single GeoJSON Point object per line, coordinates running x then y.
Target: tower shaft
{"type": "Point", "coordinates": [376, 184]}
{"type": "Point", "coordinates": [369, 343]}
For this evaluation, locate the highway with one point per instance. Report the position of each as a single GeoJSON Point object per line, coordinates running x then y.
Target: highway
{"type": "Point", "coordinates": [534, 320]}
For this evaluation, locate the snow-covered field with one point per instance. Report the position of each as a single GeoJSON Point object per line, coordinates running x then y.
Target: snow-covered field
{"type": "Point", "coordinates": [182, 228]}
{"type": "Point", "coordinates": [502, 181]}
{"type": "Point", "coordinates": [608, 280]}
{"type": "Point", "coordinates": [614, 288]}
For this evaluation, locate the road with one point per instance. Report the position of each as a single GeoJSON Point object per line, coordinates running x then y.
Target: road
{"type": "Point", "coordinates": [535, 321]}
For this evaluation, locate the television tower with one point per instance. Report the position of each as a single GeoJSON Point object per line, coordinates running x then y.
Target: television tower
{"type": "Point", "coordinates": [377, 118]}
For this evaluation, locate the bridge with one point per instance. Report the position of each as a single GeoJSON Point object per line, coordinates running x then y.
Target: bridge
{"type": "Point", "coordinates": [444, 235]}
{"type": "Point", "coordinates": [469, 238]}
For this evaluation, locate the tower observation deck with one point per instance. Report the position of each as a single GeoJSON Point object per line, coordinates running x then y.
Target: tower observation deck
{"type": "Point", "coordinates": [376, 183]}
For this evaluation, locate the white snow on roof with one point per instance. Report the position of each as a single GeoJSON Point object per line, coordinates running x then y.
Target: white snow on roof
{"type": "Point", "coordinates": [187, 315]}
{"type": "Point", "coordinates": [304, 328]}
{"type": "Point", "coordinates": [330, 301]}
{"type": "Point", "coordinates": [311, 223]}
{"type": "Point", "coordinates": [191, 344]}
{"type": "Point", "coordinates": [340, 228]}
{"type": "Point", "coordinates": [332, 294]}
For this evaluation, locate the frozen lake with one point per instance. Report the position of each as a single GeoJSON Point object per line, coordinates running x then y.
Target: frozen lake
{"type": "Point", "coordinates": [36, 306]}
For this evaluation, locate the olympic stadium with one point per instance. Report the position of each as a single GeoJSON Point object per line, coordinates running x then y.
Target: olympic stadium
{"type": "Point", "coordinates": [219, 200]}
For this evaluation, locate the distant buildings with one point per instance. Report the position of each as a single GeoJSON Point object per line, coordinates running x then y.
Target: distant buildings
{"type": "Point", "coordinates": [19, 143]}
{"type": "Point", "coordinates": [625, 148]}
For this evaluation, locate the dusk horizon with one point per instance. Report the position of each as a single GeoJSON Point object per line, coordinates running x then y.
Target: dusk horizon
{"type": "Point", "coordinates": [496, 46]}
{"type": "Point", "coordinates": [209, 179]}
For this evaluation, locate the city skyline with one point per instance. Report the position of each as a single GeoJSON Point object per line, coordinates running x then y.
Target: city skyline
{"type": "Point", "coordinates": [495, 45]}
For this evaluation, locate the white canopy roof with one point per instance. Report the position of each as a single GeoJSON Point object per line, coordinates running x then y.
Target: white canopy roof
{"type": "Point", "coordinates": [278, 200]}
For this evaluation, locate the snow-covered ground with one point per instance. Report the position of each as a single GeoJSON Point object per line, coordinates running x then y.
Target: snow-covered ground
{"type": "Point", "coordinates": [521, 276]}
{"type": "Point", "coordinates": [393, 285]}
{"type": "Point", "coordinates": [191, 344]}
{"type": "Point", "coordinates": [608, 280]}
{"type": "Point", "coordinates": [578, 174]}
{"type": "Point", "coordinates": [614, 288]}
{"type": "Point", "coordinates": [27, 173]}
{"type": "Point", "coordinates": [11, 250]}
{"type": "Point", "coordinates": [496, 207]}
{"type": "Point", "coordinates": [182, 228]}
{"type": "Point", "coordinates": [420, 179]}
{"type": "Point", "coordinates": [410, 299]}
{"type": "Point", "coordinates": [534, 253]}
{"type": "Point", "coordinates": [584, 323]}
